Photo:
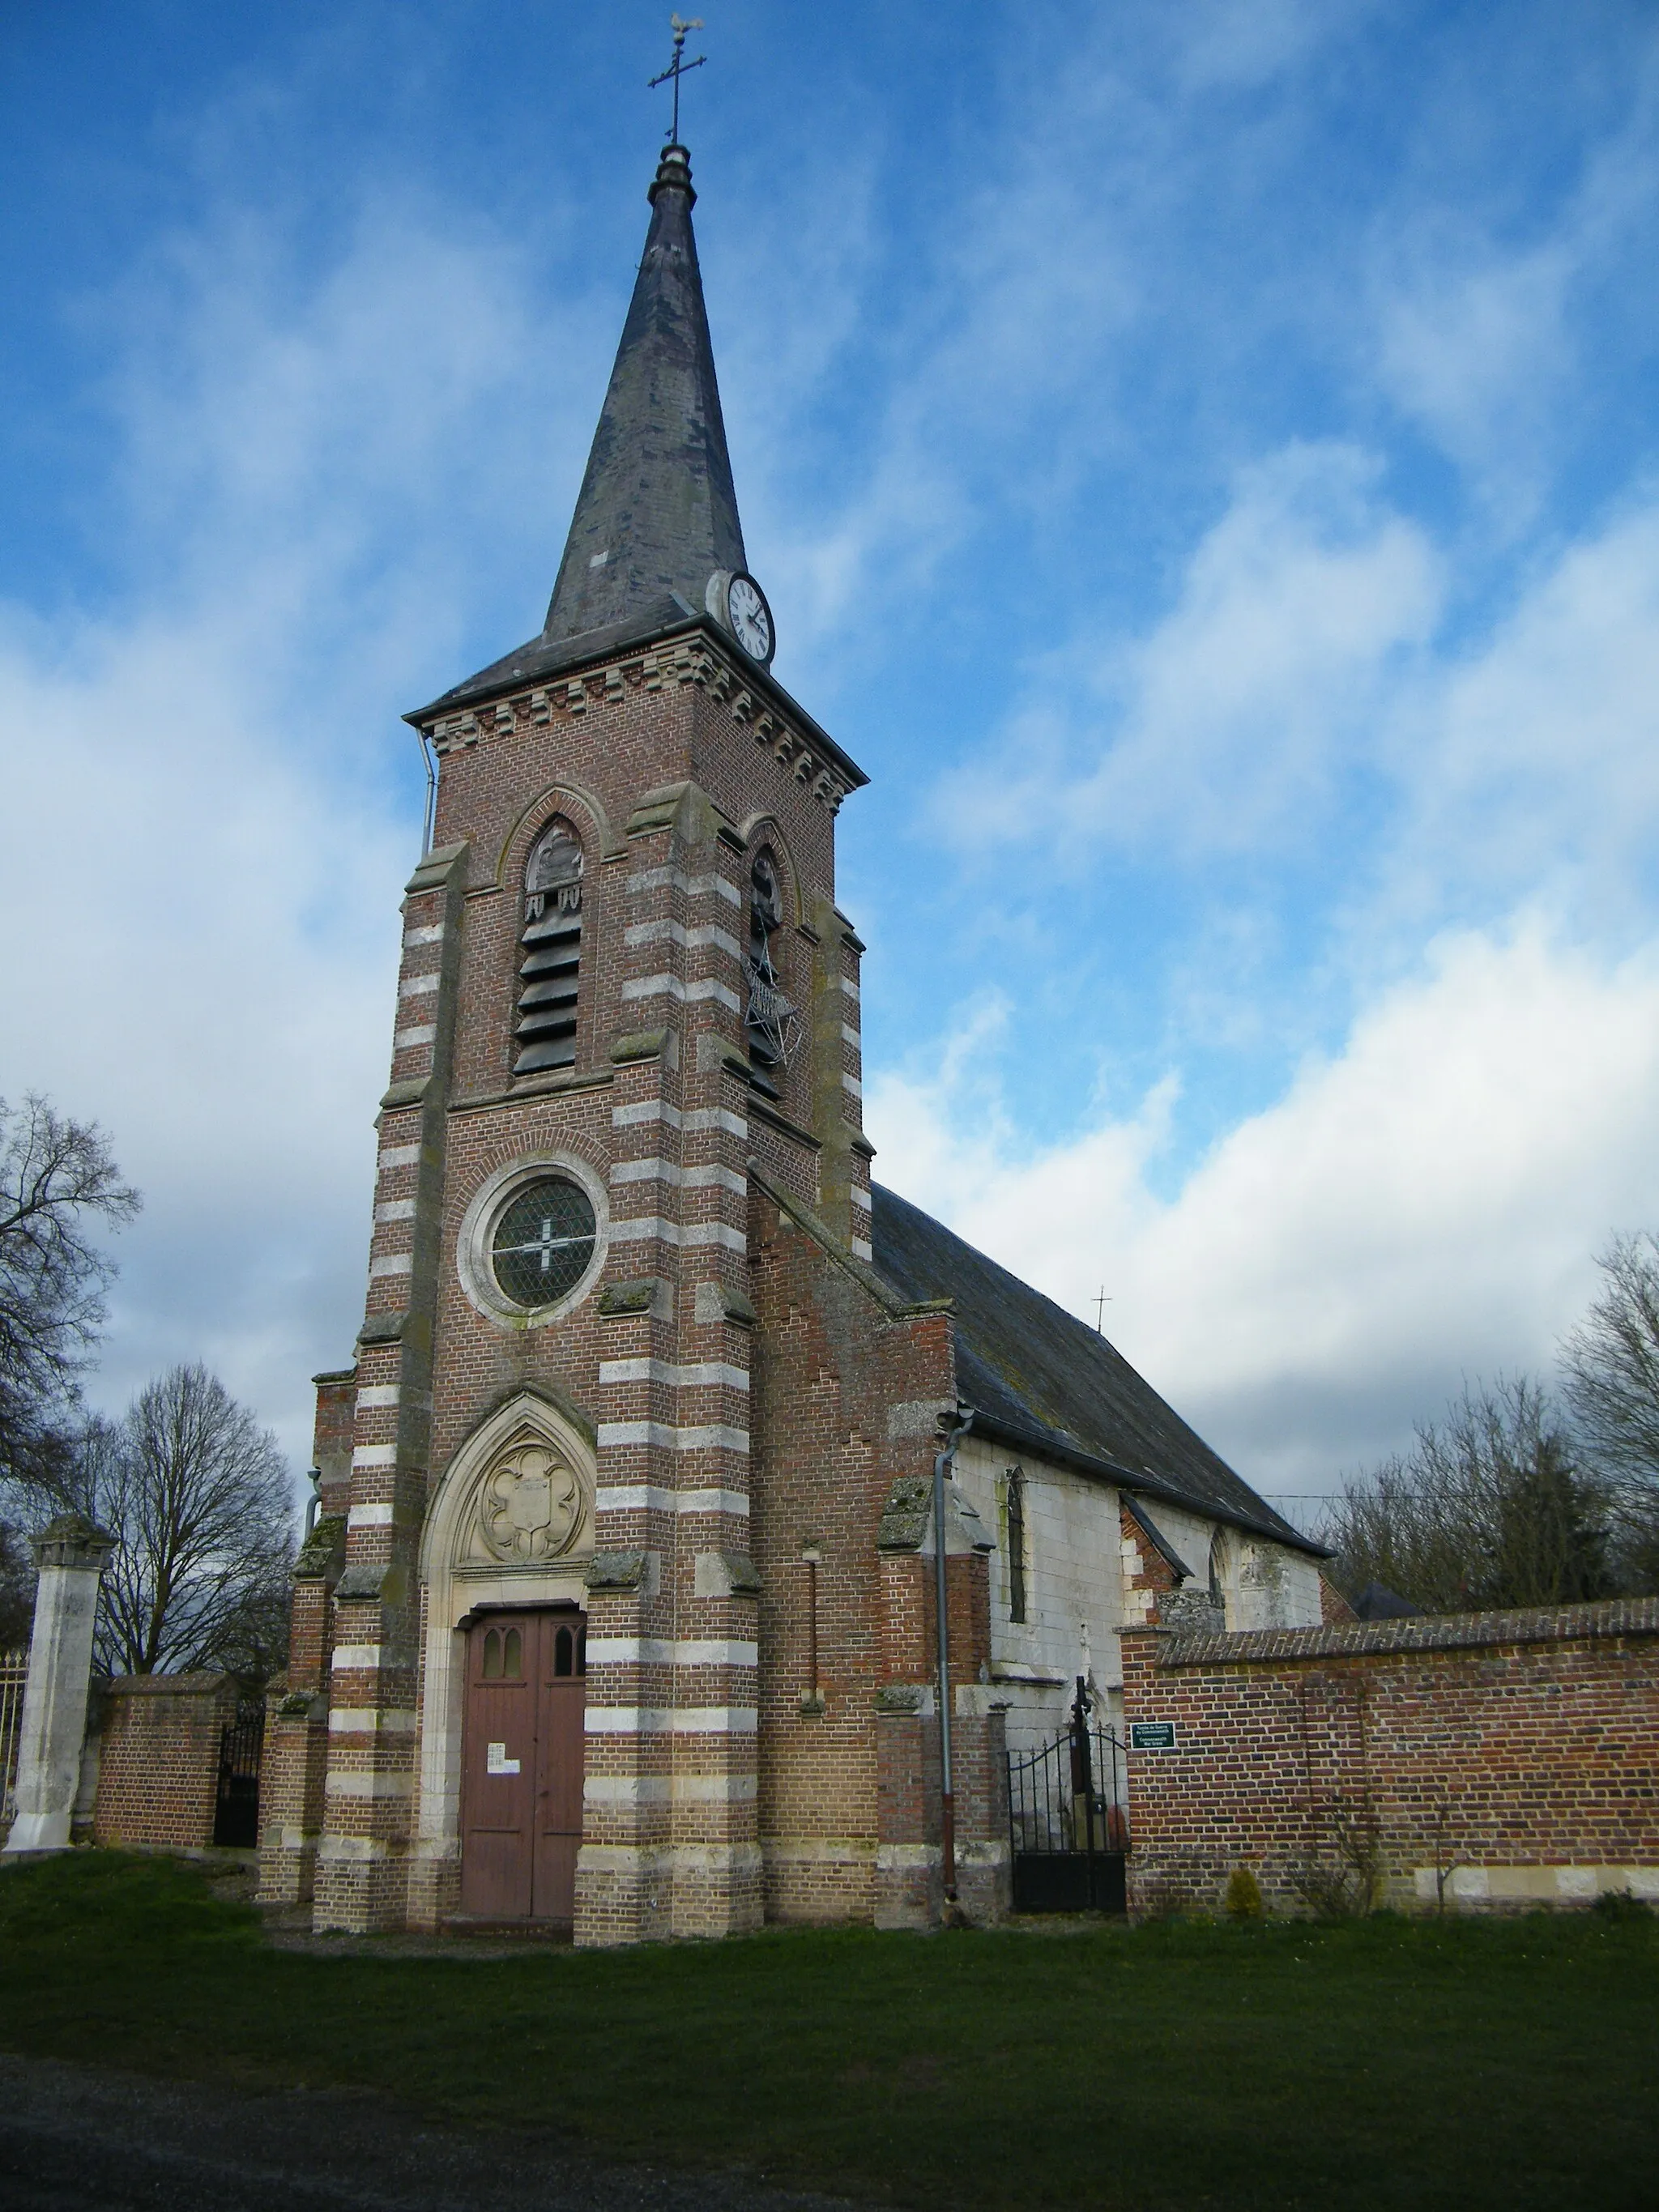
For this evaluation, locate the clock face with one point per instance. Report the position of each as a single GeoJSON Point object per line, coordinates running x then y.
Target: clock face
{"type": "Point", "coordinates": [750, 617]}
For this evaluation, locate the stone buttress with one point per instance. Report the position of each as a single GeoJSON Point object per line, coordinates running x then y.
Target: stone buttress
{"type": "Point", "coordinates": [361, 1872]}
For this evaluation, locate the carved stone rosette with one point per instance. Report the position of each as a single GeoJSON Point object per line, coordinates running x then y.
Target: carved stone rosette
{"type": "Point", "coordinates": [530, 1507]}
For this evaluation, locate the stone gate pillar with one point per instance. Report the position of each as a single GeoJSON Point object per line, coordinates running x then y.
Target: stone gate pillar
{"type": "Point", "coordinates": [71, 1554]}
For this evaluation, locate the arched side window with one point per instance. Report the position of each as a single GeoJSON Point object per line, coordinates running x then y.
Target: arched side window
{"type": "Point", "coordinates": [1016, 1543]}
{"type": "Point", "coordinates": [773, 1024]}
{"type": "Point", "coordinates": [1218, 1573]}
{"type": "Point", "coordinates": [551, 951]}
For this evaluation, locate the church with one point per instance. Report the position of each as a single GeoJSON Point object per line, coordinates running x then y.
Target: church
{"type": "Point", "coordinates": [620, 1615]}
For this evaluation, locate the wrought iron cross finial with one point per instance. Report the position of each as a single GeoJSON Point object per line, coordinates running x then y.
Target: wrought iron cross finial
{"type": "Point", "coordinates": [679, 66]}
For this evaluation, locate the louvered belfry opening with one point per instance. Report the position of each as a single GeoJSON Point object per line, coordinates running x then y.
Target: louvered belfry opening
{"type": "Point", "coordinates": [552, 947]}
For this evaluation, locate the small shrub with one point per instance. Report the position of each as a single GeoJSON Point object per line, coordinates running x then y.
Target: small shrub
{"type": "Point", "coordinates": [1244, 1895]}
{"type": "Point", "coordinates": [1620, 1905]}
{"type": "Point", "coordinates": [1341, 1875]}
{"type": "Point", "coordinates": [1325, 1886]}
{"type": "Point", "coordinates": [1163, 1897]}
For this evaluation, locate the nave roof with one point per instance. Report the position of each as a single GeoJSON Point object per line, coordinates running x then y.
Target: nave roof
{"type": "Point", "coordinates": [1039, 1379]}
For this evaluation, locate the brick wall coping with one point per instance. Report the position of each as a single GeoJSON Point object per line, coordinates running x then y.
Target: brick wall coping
{"type": "Point", "coordinates": [164, 1686]}
{"type": "Point", "coordinates": [1446, 1631]}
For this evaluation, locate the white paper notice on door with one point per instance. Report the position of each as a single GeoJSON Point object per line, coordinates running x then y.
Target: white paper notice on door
{"type": "Point", "coordinates": [497, 1760]}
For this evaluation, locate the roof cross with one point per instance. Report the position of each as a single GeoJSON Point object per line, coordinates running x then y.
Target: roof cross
{"type": "Point", "coordinates": [679, 66]}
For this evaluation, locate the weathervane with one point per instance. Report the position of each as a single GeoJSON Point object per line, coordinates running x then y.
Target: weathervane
{"type": "Point", "coordinates": [679, 66]}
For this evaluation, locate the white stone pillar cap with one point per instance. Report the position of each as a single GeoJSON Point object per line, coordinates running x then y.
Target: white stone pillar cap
{"type": "Point", "coordinates": [72, 1541]}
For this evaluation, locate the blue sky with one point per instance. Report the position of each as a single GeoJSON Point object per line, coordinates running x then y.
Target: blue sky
{"type": "Point", "coordinates": [1203, 459]}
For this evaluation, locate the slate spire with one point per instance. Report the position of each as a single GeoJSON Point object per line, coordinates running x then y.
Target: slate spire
{"type": "Point", "coordinates": [657, 513]}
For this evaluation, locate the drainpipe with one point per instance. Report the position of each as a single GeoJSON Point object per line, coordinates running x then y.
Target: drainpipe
{"type": "Point", "coordinates": [430, 818]}
{"type": "Point", "coordinates": [947, 1794]}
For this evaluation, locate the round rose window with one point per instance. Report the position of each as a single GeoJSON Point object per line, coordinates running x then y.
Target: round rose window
{"type": "Point", "coordinates": [543, 1241]}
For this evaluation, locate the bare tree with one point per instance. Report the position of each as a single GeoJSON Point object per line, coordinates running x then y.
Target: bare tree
{"type": "Point", "coordinates": [1610, 1368]}
{"type": "Point", "coordinates": [1443, 1842]}
{"type": "Point", "coordinates": [16, 1589]}
{"type": "Point", "coordinates": [1490, 1507]}
{"type": "Point", "coordinates": [39, 1465]}
{"type": "Point", "coordinates": [201, 1504]}
{"type": "Point", "coordinates": [56, 1178]}
{"type": "Point", "coordinates": [1391, 1526]}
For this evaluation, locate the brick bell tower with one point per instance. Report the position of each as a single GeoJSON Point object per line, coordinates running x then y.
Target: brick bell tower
{"type": "Point", "coordinates": [525, 1675]}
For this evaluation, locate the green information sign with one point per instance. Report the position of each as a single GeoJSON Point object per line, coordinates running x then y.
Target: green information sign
{"type": "Point", "coordinates": [1151, 1735]}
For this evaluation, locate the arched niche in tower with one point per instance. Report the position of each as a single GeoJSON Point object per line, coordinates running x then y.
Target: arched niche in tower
{"type": "Point", "coordinates": [763, 832]}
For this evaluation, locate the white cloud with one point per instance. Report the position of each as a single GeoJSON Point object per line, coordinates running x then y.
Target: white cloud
{"type": "Point", "coordinates": [1475, 345]}
{"type": "Point", "coordinates": [1240, 44]}
{"type": "Point", "coordinates": [1485, 312]}
{"type": "Point", "coordinates": [211, 820]}
{"type": "Point", "coordinates": [1219, 732]}
{"type": "Point", "coordinates": [1425, 1202]}
{"type": "Point", "coordinates": [340, 461]}
{"type": "Point", "coordinates": [206, 951]}
{"type": "Point", "coordinates": [1533, 757]}
{"type": "Point", "coordinates": [1305, 656]}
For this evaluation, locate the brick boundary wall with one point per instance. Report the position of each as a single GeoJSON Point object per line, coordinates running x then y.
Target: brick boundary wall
{"type": "Point", "coordinates": [1496, 1759]}
{"type": "Point", "coordinates": [158, 1761]}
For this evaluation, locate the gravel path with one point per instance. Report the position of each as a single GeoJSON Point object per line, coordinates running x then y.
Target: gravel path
{"type": "Point", "coordinates": [88, 2139]}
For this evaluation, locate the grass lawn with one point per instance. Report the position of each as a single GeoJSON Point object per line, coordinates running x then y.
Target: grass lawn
{"type": "Point", "coordinates": [1374, 2063]}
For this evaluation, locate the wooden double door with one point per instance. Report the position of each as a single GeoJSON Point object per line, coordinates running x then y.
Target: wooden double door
{"type": "Point", "coordinates": [521, 1779]}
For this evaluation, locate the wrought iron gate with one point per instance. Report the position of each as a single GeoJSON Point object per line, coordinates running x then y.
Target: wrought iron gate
{"type": "Point", "coordinates": [236, 1815]}
{"type": "Point", "coordinates": [1068, 1818]}
{"type": "Point", "coordinates": [14, 1682]}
